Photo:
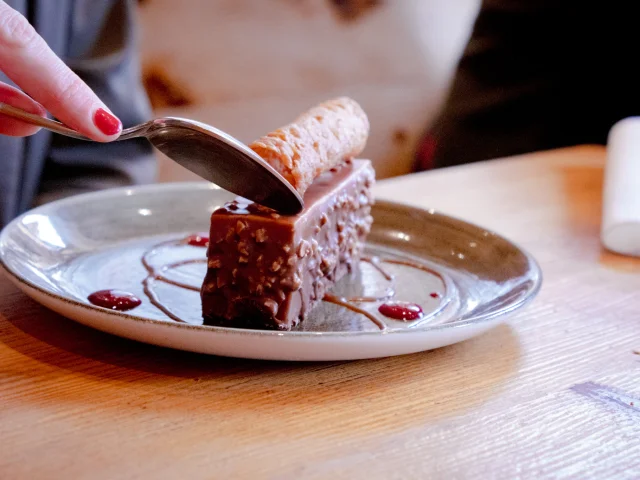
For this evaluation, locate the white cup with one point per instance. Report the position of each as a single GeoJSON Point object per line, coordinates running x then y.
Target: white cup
{"type": "Point", "coordinates": [621, 197]}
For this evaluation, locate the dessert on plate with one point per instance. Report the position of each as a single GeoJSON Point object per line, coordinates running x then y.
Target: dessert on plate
{"type": "Point", "coordinates": [266, 270]}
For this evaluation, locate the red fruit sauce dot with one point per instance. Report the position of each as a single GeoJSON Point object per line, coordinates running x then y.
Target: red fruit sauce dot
{"type": "Point", "coordinates": [401, 310]}
{"type": "Point", "coordinates": [197, 240]}
{"type": "Point", "coordinates": [114, 300]}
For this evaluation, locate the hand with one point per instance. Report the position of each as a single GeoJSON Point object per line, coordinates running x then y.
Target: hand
{"type": "Point", "coordinates": [29, 62]}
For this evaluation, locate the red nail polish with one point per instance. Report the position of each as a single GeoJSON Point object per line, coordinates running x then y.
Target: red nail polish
{"type": "Point", "coordinates": [106, 123]}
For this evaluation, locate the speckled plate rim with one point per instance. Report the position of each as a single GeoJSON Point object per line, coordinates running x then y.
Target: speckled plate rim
{"type": "Point", "coordinates": [140, 190]}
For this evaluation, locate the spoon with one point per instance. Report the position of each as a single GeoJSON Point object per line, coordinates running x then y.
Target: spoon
{"type": "Point", "coordinates": [203, 149]}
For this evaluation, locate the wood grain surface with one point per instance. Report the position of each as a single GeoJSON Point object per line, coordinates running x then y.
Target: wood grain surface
{"type": "Point", "coordinates": [553, 394]}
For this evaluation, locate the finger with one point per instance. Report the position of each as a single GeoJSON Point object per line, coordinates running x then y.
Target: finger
{"type": "Point", "coordinates": [16, 98]}
{"type": "Point", "coordinates": [27, 60]}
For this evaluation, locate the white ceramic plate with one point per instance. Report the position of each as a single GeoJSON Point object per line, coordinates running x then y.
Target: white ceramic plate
{"type": "Point", "coordinates": [61, 252]}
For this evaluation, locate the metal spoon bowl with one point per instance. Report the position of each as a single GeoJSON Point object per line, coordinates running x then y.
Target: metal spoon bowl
{"type": "Point", "coordinates": [203, 149]}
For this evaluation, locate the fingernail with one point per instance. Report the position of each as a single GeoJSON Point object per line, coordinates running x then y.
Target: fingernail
{"type": "Point", "coordinates": [106, 123]}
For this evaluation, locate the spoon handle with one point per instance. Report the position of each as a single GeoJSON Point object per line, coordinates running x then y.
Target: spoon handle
{"type": "Point", "coordinates": [39, 121]}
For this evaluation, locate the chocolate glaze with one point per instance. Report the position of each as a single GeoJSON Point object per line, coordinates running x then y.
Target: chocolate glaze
{"type": "Point", "coordinates": [157, 274]}
{"type": "Point", "coordinates": [390, 290]}
{"type": "Point", "coordinates": [151, 294]}
{"type": "Point", "coordinates": [346, 303]}
{"type": "Point", "coordinates": [375, 262]}
{"type": "Point", "coordinates": [389, 293]}
{"type": "Point", "coordinates": [267, 271]}
{"type": "Point", "coordinates": [154, 274]}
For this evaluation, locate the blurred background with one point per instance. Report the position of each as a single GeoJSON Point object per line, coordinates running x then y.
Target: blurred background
{"type": "Point", "coordinates": [250, 66]}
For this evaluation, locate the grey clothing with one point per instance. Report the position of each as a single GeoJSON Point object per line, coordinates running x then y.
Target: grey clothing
{"type": "Point", "coordinates": [96, 39]}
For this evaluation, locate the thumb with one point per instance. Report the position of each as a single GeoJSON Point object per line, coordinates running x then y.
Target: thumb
{"type": "Point", "coordinates": [16, 98]}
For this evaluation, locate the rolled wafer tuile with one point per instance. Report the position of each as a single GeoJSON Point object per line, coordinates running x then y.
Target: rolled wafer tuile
{"type": "Point", "coordinates": [318, 140]}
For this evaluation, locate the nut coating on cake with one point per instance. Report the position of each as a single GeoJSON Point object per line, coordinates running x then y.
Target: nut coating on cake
{"type": "Point", "coordinates": [268, 271]}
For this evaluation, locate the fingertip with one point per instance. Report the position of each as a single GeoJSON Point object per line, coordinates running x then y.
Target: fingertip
{"type": "Point", "coordinates": [16, 128]}
{"type": "Point", "coordinates": [102, 126]}
{"type": "Point", "coordinates": [17, 98]}
{"type": "Point", "coordinates": [108, 124]}
{"type": "Point", "coordinates": [39, 109]}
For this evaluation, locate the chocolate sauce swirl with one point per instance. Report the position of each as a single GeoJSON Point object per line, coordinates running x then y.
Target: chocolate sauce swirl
{"type": "Point", "coordinates": [158, 274]}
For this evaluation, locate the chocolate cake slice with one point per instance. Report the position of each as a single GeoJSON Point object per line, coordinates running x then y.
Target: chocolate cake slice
{"type": "Point", "coordinates": [268, 271]}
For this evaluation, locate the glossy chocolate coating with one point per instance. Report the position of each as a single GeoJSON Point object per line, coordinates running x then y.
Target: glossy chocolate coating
{"type": "Point", "coordinates": [268, 271]}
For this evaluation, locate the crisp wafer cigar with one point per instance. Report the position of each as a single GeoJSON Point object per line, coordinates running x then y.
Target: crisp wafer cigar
{"type": "Point", "coordinates": [320, 139]}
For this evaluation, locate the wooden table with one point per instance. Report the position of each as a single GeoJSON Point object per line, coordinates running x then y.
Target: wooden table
{"type": "Point", "coordinates": [555, 394]}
